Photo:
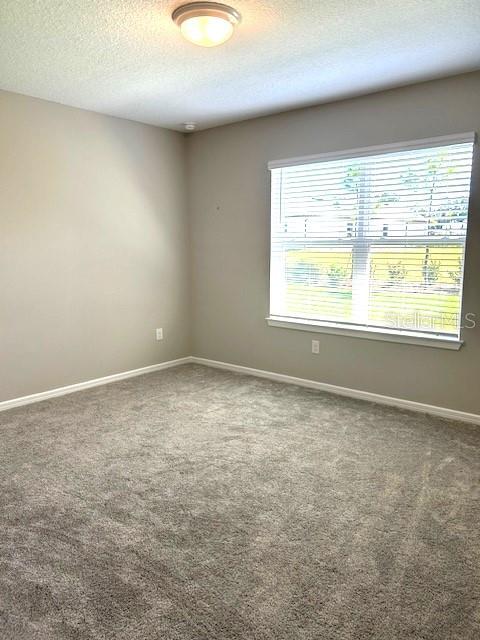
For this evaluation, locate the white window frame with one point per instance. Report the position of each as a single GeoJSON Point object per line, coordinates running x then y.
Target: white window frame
{"type": "Point", "coordinates": [360, 267]}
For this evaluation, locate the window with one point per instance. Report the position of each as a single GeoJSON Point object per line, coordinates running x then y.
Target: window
{"type": "Point", "coordinates": [372, 240]}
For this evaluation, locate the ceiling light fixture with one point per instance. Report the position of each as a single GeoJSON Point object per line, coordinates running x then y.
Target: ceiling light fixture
{"type": "Point", "coordinates": [207, 24]}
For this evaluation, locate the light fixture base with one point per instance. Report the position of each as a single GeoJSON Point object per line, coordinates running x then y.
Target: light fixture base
{"type": "Point", "coordinates": [210, 9]}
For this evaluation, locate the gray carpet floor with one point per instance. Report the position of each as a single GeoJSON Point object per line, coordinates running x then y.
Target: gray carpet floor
{"type": "Point", "coordinates": [196, 504]}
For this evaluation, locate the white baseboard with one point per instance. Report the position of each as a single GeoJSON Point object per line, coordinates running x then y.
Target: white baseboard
{"type": "Point", "coordinates": [443, 412]}
{"type": "Point", "coordinates": [80, 386]}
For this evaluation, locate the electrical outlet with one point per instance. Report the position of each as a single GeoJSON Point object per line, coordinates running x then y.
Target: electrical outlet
{"type": "Point", "coordinates": [315, 346]}
{"type": "Point", "coordinates": [159, 334]}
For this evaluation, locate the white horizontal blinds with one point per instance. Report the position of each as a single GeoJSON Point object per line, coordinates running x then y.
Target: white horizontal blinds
{"type": "Point", "coordinates": [373, 240]}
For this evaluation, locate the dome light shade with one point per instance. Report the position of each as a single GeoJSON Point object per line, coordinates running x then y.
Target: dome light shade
{"type": "Point", "coordinates": [207, 24]}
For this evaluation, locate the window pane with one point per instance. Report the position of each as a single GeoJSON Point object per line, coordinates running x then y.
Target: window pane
{"type": "Point", "coordinates": [416, 288]}
{"type": "Point", "coordinates": [319, 282]}
{"type": "Point", "coordinates": [423, 193]}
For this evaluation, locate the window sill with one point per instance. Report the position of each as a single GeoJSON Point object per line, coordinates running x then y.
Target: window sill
{"type": "Point", "coordinates": [386, 335]}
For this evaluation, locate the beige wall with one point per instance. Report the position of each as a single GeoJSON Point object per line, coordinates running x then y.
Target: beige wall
{"type": "Point", "coordinates": [93, 246]}
{"type": "Point", "coordinates": [229, 211]}
{"type": "Point", "coordinates": [95, 249]}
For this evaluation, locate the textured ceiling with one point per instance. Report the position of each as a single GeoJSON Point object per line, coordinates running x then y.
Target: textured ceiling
{"type": "Point", "coordinates": [127, 58]}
